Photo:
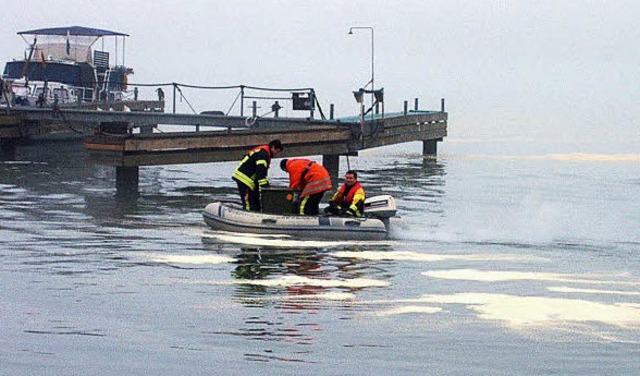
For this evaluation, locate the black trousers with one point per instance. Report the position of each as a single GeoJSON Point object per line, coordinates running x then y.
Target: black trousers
{"type": "Point", "coordinates": [250, 199]}
{"type": "Point", "coordinates": [309, 205]}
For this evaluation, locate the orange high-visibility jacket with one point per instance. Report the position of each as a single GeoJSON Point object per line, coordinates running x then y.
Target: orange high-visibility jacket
{"type": "Point", "coordinates": [307, 176]}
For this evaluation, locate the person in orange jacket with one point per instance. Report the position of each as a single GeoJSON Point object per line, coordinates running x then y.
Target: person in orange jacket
{"type": "Point", "coordinates": [311, 179]}
{"type": "Point", "coordinates": [349, 198]}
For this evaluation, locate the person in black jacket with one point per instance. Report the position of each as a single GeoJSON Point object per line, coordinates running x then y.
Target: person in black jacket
{"type": "Point", "coordinates": [251, 173]}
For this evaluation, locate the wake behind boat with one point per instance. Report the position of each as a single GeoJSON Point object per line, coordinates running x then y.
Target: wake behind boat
{"type": "Point", "coordinates": [226, 216]}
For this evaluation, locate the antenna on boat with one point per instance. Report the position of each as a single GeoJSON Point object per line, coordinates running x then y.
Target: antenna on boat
{"type": "Point", "coordinates": [26, 63]}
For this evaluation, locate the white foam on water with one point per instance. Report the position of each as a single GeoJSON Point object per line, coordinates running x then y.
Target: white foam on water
{"type": "Point", "coordinates": [192, 259]}
{"type": "Point", "coordinates": [408, 310]}
{"type": "Point", "coordinates": [214, 234]}
{"type": "Point", "coordinates": [592, 291]}
{"type": "Point", "coordinates": [289, 281]}
{"type": "Point", "coordinates": [416, 256]}
{"type": "Point", "coordinates": [326, 296]}
{"type": "Point", "coordinates": [278, 241]}
{"type": "Point", "coordinates": [522, 311]}
{"type": "Point", "coordinates": [502, 276]}
{"type": "Point", "coordinates": [337, 296]}
{"type": "Point", "coordinates": [307, 297]}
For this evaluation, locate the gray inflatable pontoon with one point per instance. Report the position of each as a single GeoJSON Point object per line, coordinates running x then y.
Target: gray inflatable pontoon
{"type": "Point", "coordinates": [227, 216]}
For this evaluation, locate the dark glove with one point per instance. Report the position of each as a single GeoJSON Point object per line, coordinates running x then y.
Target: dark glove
{"type": "Point", "coordinates": [332, 209]}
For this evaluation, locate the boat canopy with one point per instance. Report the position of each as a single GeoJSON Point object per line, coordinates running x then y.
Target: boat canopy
{"type": "Point", "coordinates": [74, 31]}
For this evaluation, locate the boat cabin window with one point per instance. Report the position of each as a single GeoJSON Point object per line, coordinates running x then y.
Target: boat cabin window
{"type": "Point", "coordinates": [40, 90]}
{"type": "Point", "coordinates": [22, 90]}
{"type": "Point", "coordinates": [62, 94]}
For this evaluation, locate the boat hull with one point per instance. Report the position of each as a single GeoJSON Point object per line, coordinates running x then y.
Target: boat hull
{"type": "Point", "coordinates": [230, 217]}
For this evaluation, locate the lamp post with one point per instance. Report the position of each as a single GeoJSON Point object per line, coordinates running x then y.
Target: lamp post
{"type": "Point", "coordinates": [351, 29]}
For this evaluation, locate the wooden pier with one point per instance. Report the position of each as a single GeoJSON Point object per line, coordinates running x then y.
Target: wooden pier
{"type": "Point", "coordinates": [128, 140]}
{"type": "Point", "coordinates": [18, 124]}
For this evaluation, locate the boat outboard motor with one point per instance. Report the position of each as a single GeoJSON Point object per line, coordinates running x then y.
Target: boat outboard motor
{"type": "Point", "coordinates": [382, 207]}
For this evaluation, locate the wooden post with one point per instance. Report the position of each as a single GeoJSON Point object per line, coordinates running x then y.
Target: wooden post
{"type": "Point", "coordinates": [429, 147]}
{"type": "Point", "coordinates": [127, 178]}
{"type": "Point", "coordinates": [415, 105]}
{"type": "Point", "coordinates": [442, 105]}
{"type": "Point", "coordinates": [241, 100]}
{"type": "Point", "coordinates": [147, 129]}
{"type": "Point", "coordinates": [331, 111]}
{"type": "Point", "coordinates": [174, 97]}
{"type": "Point", "coordinates": [7, 150]}
{"type": "Point", "coordinates": [332, 164]}
{"type": "Point", "coordinates": [406, 106]}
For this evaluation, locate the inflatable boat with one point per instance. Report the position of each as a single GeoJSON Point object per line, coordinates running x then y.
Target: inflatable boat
{"type": "Point", "coordinates": [227, 216]}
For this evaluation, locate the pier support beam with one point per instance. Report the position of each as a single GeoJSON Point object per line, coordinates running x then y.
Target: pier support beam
{"type": "Point", "coordinates": [127, 181]}
{"type": "Point", "coordinates": [332, 164]}
{"type": "Point", "coordinates": [429, 147]}
{"type": "Point", "coordinates": [7, 150]}
{"type": "Point", "coordinates": [147, 129]}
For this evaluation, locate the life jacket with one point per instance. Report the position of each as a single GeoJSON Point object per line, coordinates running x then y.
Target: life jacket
{"type": "Point", "coordinates": [353, 200]}
{"type": "Point", "coordinates": [308, 177]}
{"type": "Point", "coordinates": [253, 168]}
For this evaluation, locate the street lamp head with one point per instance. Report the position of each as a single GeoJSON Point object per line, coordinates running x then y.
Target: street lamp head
{"type": "Point", "coordinates": [350, 31]}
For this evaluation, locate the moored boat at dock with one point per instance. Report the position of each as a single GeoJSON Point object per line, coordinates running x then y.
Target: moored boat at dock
{"type": "Point", "coordinates": [61, 67]}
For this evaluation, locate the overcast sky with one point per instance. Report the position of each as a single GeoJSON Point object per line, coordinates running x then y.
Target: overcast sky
{"type": "Point", "coordinates": [563, 71]}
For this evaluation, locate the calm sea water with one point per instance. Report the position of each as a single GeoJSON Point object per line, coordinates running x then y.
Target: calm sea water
{"type": "Point", "coordinates": [519, 264]}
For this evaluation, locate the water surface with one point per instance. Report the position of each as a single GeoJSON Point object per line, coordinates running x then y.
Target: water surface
{"type": "Point", "coordinates": [502, 265]}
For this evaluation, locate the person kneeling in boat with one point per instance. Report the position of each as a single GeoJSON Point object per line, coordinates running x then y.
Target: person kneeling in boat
{"type": "Point", "coordinates": [251, 174]}
{"type": "Point", "coordinates": [311, 179]}
{"type": "Point", "coordinates": [349, 199]}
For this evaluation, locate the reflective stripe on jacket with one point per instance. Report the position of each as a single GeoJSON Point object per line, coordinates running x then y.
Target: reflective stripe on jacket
{"type": "Point", "coordinates": [253, 168]}
{"type": "Point", "coordinates": [307, 176]}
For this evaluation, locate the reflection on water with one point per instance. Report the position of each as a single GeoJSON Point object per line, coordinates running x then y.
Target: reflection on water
{"type": "Point", "coordinates": [401, 178]}
{"type": "Point", "coordinates": [254, 263]}
{"type": "Point", "coordinates": [291, 288]}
